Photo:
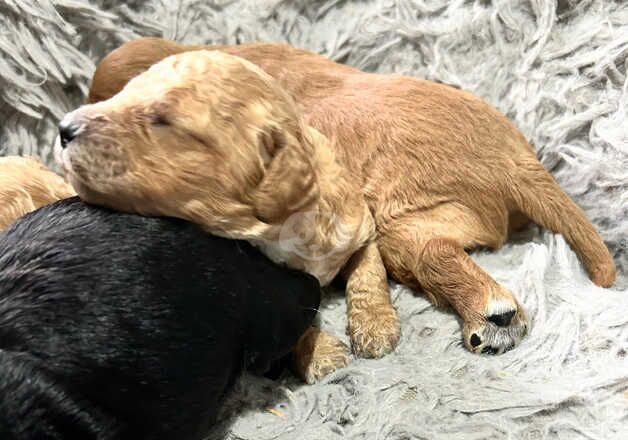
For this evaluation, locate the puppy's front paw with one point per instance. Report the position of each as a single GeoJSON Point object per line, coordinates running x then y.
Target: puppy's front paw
{"type": "Point", "coordinates": [374, 332]}
{"type": "Point", "coordinates": [500, 330]}
{"type": "Point", "coordinates": [318, 354]}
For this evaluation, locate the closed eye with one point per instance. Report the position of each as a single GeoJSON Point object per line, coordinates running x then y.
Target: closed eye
{"type": "Point", "coordinates": [160, 119]}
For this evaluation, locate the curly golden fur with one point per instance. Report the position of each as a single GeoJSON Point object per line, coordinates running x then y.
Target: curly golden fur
{"type": "Point", "coordinates": [25, 185]}
{"type": "Point", "coordinates": [211, 138]}
{"type": "Point", "coordinates": [440, 170]}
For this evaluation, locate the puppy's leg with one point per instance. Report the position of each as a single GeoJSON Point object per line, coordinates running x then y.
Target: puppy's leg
{"type": "Point", "coordinates": [430, 255]}
{"type": "Point", "coordinates": [318, 354]}
{"type": "Point", "coordinates": [537, 195]}
{"type": "Point", "coordinates": [494, 321]}
{"type": "Point", "coordinates": [372, 320]}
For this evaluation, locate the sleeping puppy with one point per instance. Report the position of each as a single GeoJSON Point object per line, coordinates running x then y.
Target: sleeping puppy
{"type": "Point", "coordinates": [25, 185]}
{"type": "Point", "coordinates": [117, 326]}
{"type": "Point", "coordinates": [210, 138]}
{"type": "Point", "coordinates": [441, 171]}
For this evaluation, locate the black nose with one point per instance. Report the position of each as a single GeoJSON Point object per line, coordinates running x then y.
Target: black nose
{"type": "Point", "coordinates": [67, 132]}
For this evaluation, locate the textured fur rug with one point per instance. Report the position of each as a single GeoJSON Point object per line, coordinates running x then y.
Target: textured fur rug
{"type": "Point", "coordinates": [558, 68]}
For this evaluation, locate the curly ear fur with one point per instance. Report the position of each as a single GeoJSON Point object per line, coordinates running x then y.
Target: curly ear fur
{"type": "Point", "coordinates": [289, 183]}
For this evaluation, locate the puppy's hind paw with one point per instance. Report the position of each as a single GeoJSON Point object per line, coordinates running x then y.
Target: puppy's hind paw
{"type": "Point", "coordinates": [497, 332]}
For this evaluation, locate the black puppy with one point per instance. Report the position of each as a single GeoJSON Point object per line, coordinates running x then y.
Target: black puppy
{"type": "Point", "coordinates": [116, 326]}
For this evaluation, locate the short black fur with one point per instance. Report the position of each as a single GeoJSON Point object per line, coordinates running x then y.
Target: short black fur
{"type": "Point", "coordinates": [117, 326]}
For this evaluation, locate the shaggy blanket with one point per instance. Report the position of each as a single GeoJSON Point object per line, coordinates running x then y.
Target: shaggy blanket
{"type": "Point", "coordinates": [558, 68]}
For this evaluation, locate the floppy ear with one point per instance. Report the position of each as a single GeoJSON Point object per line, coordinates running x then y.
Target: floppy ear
{"type": "Point", "coordinates": [289, 182]}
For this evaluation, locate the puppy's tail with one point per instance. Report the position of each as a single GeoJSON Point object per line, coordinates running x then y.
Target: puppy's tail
{"type": "Point", "coordinates": [537, 195]}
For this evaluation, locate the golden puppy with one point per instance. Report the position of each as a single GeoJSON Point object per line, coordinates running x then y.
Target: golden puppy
{"type": "Point", "coordinates": [440, 170]}
{"type": "Point", "coordinates": [25, 185]}
{"type": "Point", "coordinates": [211, 138]}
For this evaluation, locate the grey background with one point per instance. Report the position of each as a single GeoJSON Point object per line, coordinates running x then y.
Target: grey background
{"type": "Point", "coordinates": [556, 68]}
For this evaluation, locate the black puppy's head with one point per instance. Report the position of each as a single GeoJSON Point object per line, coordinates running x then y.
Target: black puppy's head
{"type": "Point", "coordinates": [277, 318]}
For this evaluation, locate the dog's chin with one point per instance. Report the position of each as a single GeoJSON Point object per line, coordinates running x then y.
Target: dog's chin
{"type": "Point", "coordinates": [82, 188]}
{"type": "Point", "coordinates": [92, 196]}
{"type": "Point", "coordinates": [102, 194]}
{"type": "Point", "coordinates": [93, 187]}
{"type": "Point", "coordinates": [83, 191]}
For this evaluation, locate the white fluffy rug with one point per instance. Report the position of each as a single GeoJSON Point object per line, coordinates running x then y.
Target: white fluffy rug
{"type": "Point", "coordinates": [558, 68]}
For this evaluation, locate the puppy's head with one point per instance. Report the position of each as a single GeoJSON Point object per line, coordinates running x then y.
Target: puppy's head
{"type": "Point", "coordinates": [201, 135]}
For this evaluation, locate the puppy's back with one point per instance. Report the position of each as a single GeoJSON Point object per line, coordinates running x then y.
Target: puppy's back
{"type": "Point", "coordinates": [126, 62]}
{"type": "Point", "coordinates": [34, 406]}
{"type": "Point", "coordinates": [144, 320]}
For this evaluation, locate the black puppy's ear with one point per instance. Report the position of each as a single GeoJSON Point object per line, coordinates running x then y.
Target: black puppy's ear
{"type": "Point", "coordinates": [278, 319]}
{"type": "Point", "coordinates": [34, 406]}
